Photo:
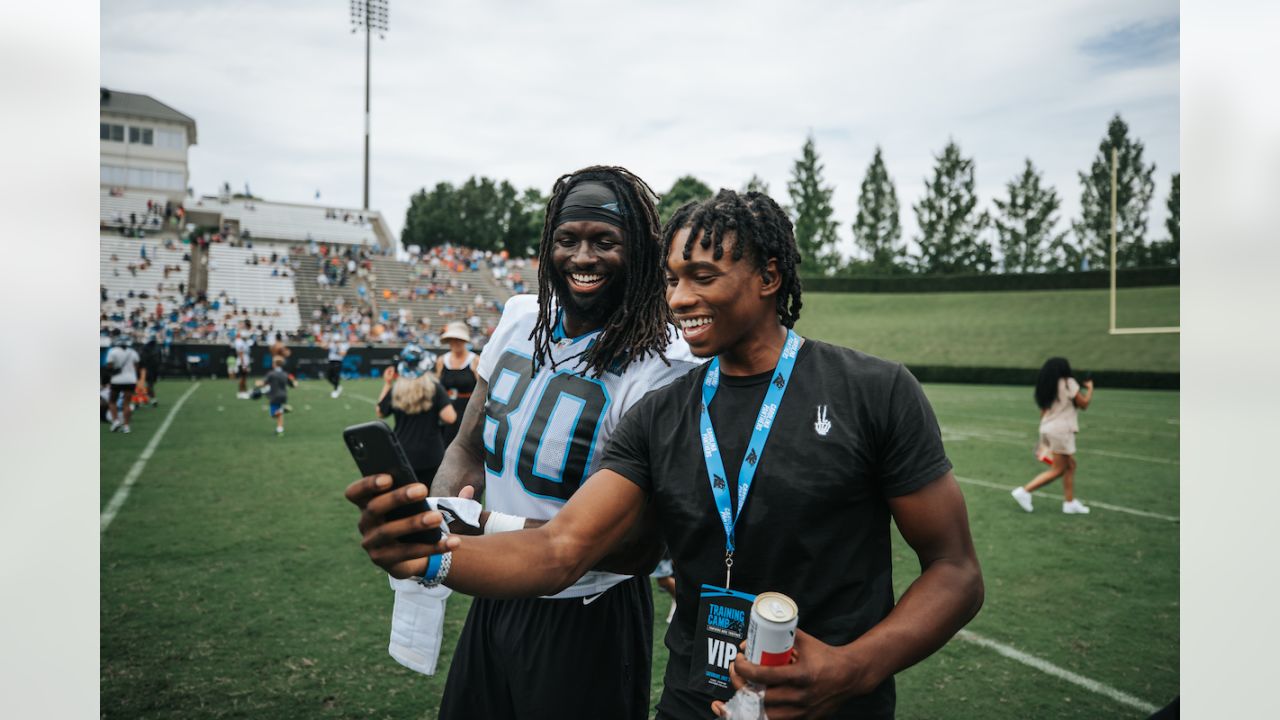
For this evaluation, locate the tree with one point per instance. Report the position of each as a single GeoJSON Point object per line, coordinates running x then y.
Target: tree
{"type": "Point", "coordinates": [684, 190]}
{"type": "Point", "coordinates": [811, 212]}
{"type": "Point", "coordinates": [1134, 188]}
{"type": "Point", "coordinates": [432, 217]}
{"type": "Point", "coordinates": [525, 217]}
{"type": "Point", "coordinates": [1168, 251]}
{"type": "Point", "coordinates": [1026, 223]}
{"type": "Point", "coordinates": [877, 228]}
{"type": "Point", "coordinates": [756, 184]}
{"type": "Point", "coordinates": [951, 229]}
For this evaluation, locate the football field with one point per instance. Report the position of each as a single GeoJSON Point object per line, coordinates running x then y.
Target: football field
{"type": "Point", "coordinates": [233, 585]}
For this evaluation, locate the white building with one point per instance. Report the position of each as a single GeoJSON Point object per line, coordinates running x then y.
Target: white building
{"type": "Point", "coordinates": [143, 146]}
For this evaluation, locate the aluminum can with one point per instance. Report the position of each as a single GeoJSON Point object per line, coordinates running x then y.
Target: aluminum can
{"type": "Point", "coordinates": [772, 630]}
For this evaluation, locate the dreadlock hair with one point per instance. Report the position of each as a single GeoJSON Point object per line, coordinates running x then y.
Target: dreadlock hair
{"type": "Point", "coordinates": [759, 224]}
{"type": "Point", "coordinates": [639, 325]}
{"type": "Point", "coordinates": [1053, 370]}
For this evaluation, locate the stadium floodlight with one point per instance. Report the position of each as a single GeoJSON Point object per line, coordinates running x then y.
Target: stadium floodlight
{"type": "Point", "coordinates": [373, 16]}
{"type": "Point", "coordinates": [1112, 329]}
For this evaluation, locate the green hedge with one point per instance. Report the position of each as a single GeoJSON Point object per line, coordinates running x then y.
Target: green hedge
{"type": "Point", "coordinates": [1133, 379]}
{"type": "Point", "coordinates": [1092, 280]}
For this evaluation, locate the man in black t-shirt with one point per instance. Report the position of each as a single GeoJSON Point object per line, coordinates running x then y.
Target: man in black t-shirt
{"type": "Point", "coordinates": [826, 444]}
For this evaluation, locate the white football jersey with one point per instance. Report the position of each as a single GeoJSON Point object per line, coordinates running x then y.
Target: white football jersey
{"type": "Point", "coordinates": [545, 431]}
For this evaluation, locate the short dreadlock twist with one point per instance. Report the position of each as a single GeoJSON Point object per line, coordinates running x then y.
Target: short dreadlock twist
{"type": "Point", "coordinates": [758, 223]}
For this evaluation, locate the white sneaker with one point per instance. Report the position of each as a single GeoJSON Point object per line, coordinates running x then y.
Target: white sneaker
{"type": "Point", "coordinates": [279, 430]}
{"type": "Point", "coordinates": [1074, 508]}
{"type": "Point", "coordinates": [115, 425]}
{"type": "Point", "coordinates": [242, 395]}
{"type": "Point", "coordinates": [125, 429]}
{"type": "Point", "coordinates": [1023, 497]}
{"type": "Point", "coordinates": [337, 392]}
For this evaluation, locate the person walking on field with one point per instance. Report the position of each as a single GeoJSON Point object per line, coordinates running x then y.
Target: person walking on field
{"type": "Point", "coordinates": [1059, 397]}
{"type": "Point", "coordinates": [123, 361]}
{"type": "Point", "coordinates": [241, 348]}
{"type": "Point", "coordinates": [337, 346]}
{"type": "Point", "coordinates": [456, 370]}
{"type": "Point", "coordinates": [413, 395]}
{"type": "Point", "coordinates": [277, 383]}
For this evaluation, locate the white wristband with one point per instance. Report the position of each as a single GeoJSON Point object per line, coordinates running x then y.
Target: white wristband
{"type": "Point", "coordinates": [502, 522]}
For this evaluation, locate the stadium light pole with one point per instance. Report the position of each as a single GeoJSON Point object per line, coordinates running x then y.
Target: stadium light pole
{"type": "Point", "coordinates": [372, 15]}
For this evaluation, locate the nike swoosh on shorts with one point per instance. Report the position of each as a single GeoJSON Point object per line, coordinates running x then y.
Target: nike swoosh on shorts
{"type": "Point", "coordinates": [593, 598]}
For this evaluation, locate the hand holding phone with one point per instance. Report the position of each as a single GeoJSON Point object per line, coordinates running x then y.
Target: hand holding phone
{"type": "Point", "coordinates": [377, 452]}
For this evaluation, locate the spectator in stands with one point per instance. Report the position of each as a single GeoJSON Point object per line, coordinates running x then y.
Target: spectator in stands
{"type": "Point", "coordinates": [456, 370]}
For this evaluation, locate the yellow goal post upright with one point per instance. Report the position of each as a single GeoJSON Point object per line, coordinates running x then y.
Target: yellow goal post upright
{"type": "Point", "coordinates": [1112, 329]}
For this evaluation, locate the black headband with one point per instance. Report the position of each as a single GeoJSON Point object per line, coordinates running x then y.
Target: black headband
{"type": "Point", "coordinates": [590, 200]}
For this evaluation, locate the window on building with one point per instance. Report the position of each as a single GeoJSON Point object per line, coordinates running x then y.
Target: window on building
{"type": "Point", "coordinates": [145, 136]}
{"type": "Point", "coordinates": [108, 131]}
{"type": "Point", "coordinates": [171, 139]}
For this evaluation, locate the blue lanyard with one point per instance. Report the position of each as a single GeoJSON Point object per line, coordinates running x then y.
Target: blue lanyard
{"type": "Point", "coordinates": [759, 435]}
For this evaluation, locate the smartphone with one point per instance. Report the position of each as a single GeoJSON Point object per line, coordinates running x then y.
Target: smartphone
{"type": "Point", "coordinates": [377, 452]}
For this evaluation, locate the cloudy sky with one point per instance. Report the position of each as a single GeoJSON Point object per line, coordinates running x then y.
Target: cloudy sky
{"type": "Point", "coordinates": [529, 90]}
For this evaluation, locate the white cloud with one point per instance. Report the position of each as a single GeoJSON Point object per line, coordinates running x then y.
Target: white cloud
{"type": "Point", "coordinates": [527, 91]}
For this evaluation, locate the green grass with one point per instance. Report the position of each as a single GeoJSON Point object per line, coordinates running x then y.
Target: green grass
{"type": "Point", "coordinates": [233, 585]}
{"type": "Point", "coordinates": [1004, 329]}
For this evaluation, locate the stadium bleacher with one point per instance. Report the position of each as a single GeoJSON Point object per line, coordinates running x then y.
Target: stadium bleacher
{"type": "Point", "coordinates": [294, 222]}
{"type": "Point", "coordinates": [270, 299]}
{"type": "Point", "coordinates": [115, 207]}
{"type": "Point", "coordinates": [114, 274]}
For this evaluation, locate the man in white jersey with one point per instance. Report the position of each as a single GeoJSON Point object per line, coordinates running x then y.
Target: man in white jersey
{"type": "Point", "coordinates": [338, 347]}
{"type": "Point", "coordinates": [123, 361]}
{"type": "Point", "coordinates": [557, 376]}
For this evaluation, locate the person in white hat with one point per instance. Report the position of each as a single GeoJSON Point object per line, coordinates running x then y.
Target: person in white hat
{"type": "Point", "coordinates": [456, 371]}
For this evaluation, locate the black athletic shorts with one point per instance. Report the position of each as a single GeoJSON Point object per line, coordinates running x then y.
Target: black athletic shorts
{"type": "Point", "coordinates": [537, 659]}
{"type": "Point", "coordinates": [123, 388]}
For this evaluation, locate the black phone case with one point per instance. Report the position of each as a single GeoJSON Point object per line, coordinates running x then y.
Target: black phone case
{"type": "Point", "coordinates": [377, 451]}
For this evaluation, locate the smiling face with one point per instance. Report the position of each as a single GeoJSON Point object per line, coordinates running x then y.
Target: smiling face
{"type": "Point", "coordinates": [589, 262]}
{"type": "Point", "coordinates": [719, 304]}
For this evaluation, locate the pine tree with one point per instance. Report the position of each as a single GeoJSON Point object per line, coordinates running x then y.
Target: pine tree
{"type": "Point", "coordinates": [951, 228]}
{"type": "Point", "coordinates": [877, 228]}
{"type": "Point", "coordinates": [756, 184]}
{"type": "Point", "coordinates": [1026, 223]}
{"type": "Point", "coordinates": [1167, 252]}
{"type": "Point", "coordinates": [811, 212]}
{"type": "Point", "coordinates": [1134, 188]}
{"type": "Point", "coordinates": [683, 190]}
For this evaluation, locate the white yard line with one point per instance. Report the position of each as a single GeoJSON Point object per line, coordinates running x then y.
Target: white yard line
{"type": "Point", "coordinates": [981, 435]}
{"type": "Point", "coordinates": [122, 493]}
{"type": "Point", "coordinates": [1092, 503]}
{"type": "Point", "coordinates": [1049, 668]}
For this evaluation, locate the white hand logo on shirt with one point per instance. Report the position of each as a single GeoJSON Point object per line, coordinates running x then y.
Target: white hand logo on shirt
{"type": "Point", "coordinates": [823, 425]}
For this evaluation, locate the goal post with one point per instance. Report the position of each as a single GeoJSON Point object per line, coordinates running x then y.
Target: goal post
{"type": "Point", "coordinates": [1112, 329]}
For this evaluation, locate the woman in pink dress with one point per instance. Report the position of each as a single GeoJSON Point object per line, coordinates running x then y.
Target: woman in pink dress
{"type": "Point", "coordinates": [1059, 398]}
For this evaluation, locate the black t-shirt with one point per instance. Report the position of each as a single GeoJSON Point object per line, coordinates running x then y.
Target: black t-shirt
{"type": "Point", "coordinates": [852, 430]}
{"type": "Point", "coordinates": [419, 434]}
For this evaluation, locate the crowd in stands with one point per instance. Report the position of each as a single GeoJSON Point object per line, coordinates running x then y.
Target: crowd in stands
{"type": "Point", "coordinates": [157, 217]}
{"type": "Point", "coordinates": [173, 314]}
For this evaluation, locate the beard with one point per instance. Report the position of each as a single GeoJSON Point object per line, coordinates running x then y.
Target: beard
{"type": "Point", "coordinates": [595, 308]}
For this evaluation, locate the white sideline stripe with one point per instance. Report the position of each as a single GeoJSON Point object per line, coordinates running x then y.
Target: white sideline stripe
{"type": "Point", "coordinates": [1049, 668]}
{"type": "Point", "coordinates": [1092, 503]}
{"type": "Point", "coordinates": [122, 492]}
{"type": "Point", "coordinates": [1007, 441]}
